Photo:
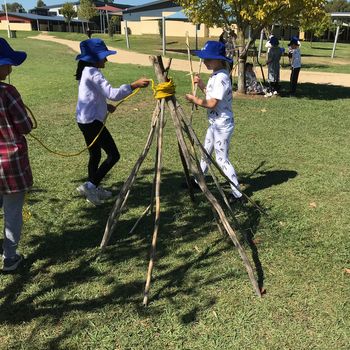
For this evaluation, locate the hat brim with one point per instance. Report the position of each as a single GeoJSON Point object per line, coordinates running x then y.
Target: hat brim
{"type": "Point", "coordinates": [14, 59]}
{"type": "Point", "coordinates": [96, 58]}
{"type": "Point", "coordinates": [207, 56]}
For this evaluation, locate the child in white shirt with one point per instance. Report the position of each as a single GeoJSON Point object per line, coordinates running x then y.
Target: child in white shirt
{"type": "Point", "coordinates": [218, 101]}
{"type": "Point", "coordinates": [91, 112]}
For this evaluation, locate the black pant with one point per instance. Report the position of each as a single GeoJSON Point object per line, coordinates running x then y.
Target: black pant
{"type": "Point", "coordinates": [294, 79]}
{"type": "Point", "coordinates": [105, 142]}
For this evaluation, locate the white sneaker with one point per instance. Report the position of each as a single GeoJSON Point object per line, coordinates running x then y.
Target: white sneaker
{"type": "Point", "coordinates": [103, 194]}
{"type": "Point", "coordinates": [91, 194]}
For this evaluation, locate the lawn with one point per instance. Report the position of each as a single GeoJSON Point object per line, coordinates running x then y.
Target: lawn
{"type": "Point", "coordinates": [315, 56]}
{"type": "Point", "coordinates": [292, 156]}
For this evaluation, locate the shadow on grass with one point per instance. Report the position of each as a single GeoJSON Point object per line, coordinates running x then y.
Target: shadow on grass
{"type": "Point", "coordinates": [317, 91]}
{"type": "Point", "coordinates": [71, 258]}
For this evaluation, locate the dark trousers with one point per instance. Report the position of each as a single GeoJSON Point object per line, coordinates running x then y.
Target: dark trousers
{"type": "Point", "coordinates": [294, 79]}
{"type": "Point", "coordinates": [105, 141]}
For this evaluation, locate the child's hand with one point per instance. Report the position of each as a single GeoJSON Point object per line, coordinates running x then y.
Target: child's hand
{"type": "Point", "coordinates": [189, 97]}
{"type": "Point", "coordinates": [111, 108]}
{"type": "Point", "coordinates": [141, 83]}
{"type": "Point", "coordinates": [197, 80]}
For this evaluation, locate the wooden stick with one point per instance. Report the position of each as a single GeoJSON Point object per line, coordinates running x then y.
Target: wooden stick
{"type": "Point", "coordinates": [216, 206]}
{"type": "Point", "coordinates": [194, 167]}
{"type": "Point", "coordinates": [121, 199]}
{"type": "Point", "coordinates": [190, 60]}
{"type": "Point", "coordinates": [139, 219]}
{"type": "Point", "coordinates": [157, 198]}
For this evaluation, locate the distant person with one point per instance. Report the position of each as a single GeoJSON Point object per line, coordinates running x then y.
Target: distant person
{"type": "Point", "coordinates": [251, 82]}
{"type": "Point", "coordinates": [273, 63]}
{"type": "Point", "coordinates": [295, 64]}
{"type": "Point", "coordinates": [15, 172]}
{"type": "Point", "coordinates": [91, 111]}
{"type": "Point", "coordinates": [89, 33]}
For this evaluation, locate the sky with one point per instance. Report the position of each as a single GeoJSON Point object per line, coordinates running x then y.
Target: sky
{"type": "Point", "coordinates": [29, 4]}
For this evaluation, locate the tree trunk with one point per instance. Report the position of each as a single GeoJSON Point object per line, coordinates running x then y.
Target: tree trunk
{"type": "Point", "coordinates": [242, 57]}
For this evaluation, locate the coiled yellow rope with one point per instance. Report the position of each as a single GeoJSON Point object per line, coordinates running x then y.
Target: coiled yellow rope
{"type": "Point", "coordinates": [35, 125]}
{"type": "Point", "coordinates": [163, 90]}
{"type": "Point", "coordinates": [160, 91]}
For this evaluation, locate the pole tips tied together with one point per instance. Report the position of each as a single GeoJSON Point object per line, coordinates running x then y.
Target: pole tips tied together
{"type": "Point", "coordinates": [163, 90]}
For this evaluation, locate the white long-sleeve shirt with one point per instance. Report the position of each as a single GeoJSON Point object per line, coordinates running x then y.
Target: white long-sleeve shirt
{"type": "Point", "coordinates": [94, 90]}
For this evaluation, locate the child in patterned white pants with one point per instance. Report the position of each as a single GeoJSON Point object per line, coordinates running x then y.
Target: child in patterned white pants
{"type": "Point", "coordinates": [219, 138]}
{"type": "Point", "coordinates": [218, 102]}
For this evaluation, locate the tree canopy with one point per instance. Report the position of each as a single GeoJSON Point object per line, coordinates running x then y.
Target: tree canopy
{"type": "Point", "coordinates": [14, 7]}
{"type": "Point", "coordinates": [252, 16]}
{"type": "Point", "coordinates": [86, 10]}
{"type": "Point", "coordinates": [68, 12]}
{"type": "Point", "coordinates": [40, 3]}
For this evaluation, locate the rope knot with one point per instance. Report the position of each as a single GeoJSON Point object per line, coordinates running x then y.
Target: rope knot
{"type": "Point", "coordinates": [163, 90]}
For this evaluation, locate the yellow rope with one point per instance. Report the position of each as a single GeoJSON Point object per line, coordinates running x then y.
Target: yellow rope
{"type": "Point", "coordinates": [35, 125]}
{"type": "Point", "coordinates": [163, 90]}
{"type": "Point", "coordinates": [160, 91]}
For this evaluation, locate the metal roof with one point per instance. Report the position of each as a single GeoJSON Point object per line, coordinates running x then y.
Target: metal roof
{"type": "Point", "coordinates": [39, 17]}
{"type": "Point", "coordinates": [160, 4]}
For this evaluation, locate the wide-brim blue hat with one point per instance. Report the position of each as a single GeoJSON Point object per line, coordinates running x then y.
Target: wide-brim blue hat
{"type": "Point", "coordinates": [94, 50]}
{"type": "Point", "coordinates": [9, 56]}
{"type": "Point", "coordinates": [294, 40]}
{"type": "Point", "coordinates": [274, 41]}
{"type": "Point", "coordinates": [213, 50]}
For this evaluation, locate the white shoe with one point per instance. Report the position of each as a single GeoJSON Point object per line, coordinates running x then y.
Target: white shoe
{"type": "Point", "coordinates": [103, 194]}
{"type": "Point", "coordinates": [91, 194]}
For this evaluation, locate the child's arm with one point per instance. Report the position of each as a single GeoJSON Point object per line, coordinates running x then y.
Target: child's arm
{"type": "Point", "coordinates": [16, 109]}
{"type": "Point", "coordinates": [210, 104]}
{"type": "Point", "coordinates": [116, 94]}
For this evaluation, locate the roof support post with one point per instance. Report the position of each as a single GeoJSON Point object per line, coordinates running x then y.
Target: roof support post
{"type": "Point", "coordinates": [335, 40]}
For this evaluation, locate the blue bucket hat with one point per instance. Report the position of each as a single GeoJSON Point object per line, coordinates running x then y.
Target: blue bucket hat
{"type": "Point", "coordinates": [294, 41]}
{"type": "Point", "coordinates": [9, 56]}
{"type": "Point", "coordinates": [213, 50]}
{"type": "Point", "coordinates": [94, 50]}
{"type": "Point", "coordinates": [274, 41]}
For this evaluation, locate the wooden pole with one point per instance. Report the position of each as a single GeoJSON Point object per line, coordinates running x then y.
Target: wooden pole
{"type": "Point", "coordinates": [194, 167]}
{"type": "Point", "coordinates": [120, 201]}
{"type": "Point", "coordinates": [157, 198]}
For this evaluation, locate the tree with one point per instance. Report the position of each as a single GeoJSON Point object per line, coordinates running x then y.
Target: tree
{"type": "Point", "coordinates": [251, 16]}
{"type": "Point", "coordinates": [317, 28]}
{"type": "Point", "coordinates": [86, 10]}
{"type": "Point", "coordinates": [40, 3]}
{"type": "Point", "coordinates": [113, 21]}
{"type": "Point", "coordinates": [14, 7]}
{"type": "Point", "coordinates": [337, 6]}
{"type": "Point", "coordinates": [68, 13]}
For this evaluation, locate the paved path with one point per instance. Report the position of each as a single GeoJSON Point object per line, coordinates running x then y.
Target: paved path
{"type": "Point", "coordinates": [131, 57]}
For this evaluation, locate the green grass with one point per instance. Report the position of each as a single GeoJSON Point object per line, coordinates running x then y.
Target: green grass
{"type": "Point", "coordinates": [292, 157]}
